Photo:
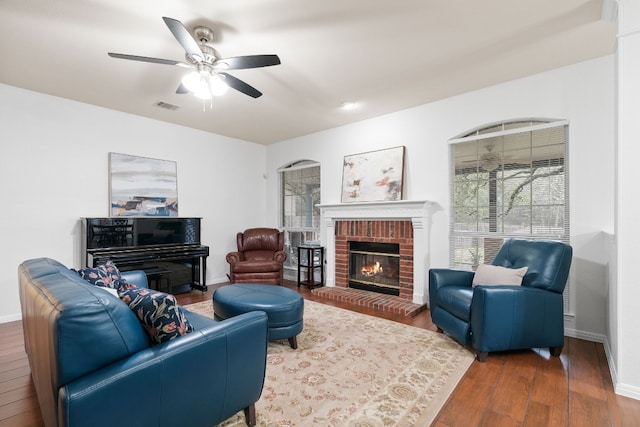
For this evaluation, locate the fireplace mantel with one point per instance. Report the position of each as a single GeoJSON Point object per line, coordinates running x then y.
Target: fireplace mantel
{"type": "Point", "coordinates": [419, 212]}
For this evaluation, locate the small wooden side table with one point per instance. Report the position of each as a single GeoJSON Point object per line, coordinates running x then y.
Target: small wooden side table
{"type": "Point", "coordinates": [311, 266]}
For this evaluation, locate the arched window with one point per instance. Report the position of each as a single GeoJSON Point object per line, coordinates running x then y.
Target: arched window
{"type": "Point", "coordinates": [508, 180]}
{"type": "Point", "coordinates": [300, 217]}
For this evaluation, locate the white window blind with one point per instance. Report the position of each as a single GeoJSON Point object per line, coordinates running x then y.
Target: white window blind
{"type": "Point", "coordinates": [508, 180]}
{"type": "Point", "coordinates": [300, 218]}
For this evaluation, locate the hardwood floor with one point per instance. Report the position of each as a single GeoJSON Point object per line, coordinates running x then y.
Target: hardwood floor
{"type": "Point", "coordinates": [521, 388]}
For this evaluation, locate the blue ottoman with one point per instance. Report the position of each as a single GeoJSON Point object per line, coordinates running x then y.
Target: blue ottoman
{"type": "Point", "coordinates": [284, 307]}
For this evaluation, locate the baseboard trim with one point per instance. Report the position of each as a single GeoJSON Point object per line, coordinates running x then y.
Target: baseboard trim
{"type": "Point", "coordinates": [11, 318]}
{"type": "Point", "coordinates": [619, 388]}
{"type": "Point", "coordinates": [588, 336]}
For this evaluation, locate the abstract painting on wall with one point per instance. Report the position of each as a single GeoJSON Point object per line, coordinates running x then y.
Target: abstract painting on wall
{"type": "Point", "coordinates": [140, 186]}
{"type": "Point", "coordinates": [373, 176]}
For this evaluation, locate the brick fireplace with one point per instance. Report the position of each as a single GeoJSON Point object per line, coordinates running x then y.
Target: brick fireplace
{"type": "Point", "coordinates": [404, 222]}
{"type": "Point", "coordinates": [376, 231]}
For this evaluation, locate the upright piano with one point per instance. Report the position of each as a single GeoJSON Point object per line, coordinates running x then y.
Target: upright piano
{"type": "Point", "coordinates": [168, 249]}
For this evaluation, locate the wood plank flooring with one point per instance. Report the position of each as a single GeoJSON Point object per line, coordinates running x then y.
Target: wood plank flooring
{"type": "Point", "coordinates": [520, 388]}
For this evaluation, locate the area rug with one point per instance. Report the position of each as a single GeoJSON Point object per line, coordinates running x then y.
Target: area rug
{"type": "Point", "coordinates": [352, 369]}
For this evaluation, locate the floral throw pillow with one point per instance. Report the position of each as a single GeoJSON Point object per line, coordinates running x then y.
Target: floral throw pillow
{"type": "Point", "coordinates": [106, 275]}
{"type": "Point", "coordinates": [96, 276]}
{"type": "Point", "coordinates": [159, 313]}
{"type": "Point", "coordinates": [115, 278]}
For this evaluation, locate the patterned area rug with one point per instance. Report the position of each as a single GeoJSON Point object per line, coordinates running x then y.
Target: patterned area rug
{"type": "Point", "coordinates": [351, 369]}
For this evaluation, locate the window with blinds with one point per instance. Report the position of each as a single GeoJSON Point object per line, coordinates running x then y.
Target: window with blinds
{"type": "Point", "coordinates": [300, 217]}
{"type": "Point", "coordinates": [508, 180]}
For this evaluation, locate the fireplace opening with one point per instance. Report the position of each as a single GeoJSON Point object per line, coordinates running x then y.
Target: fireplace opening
{"type": "Point", "coordinates": [375, 266]}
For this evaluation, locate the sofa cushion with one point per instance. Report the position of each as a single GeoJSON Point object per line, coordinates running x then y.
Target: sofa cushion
{"type": "Point", "coordinates": [159, 313]}
{"type": "Point", "coordinates": [253, 266]}
{"type": "Point", "coordinates": [259, 255]}
{"type": "Point", "coordinates": [496, 275]}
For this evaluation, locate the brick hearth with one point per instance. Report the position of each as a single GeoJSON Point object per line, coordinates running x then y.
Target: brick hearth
{"type": "Point", "coordinates": [388, 303]}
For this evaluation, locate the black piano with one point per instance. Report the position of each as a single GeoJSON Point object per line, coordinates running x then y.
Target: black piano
{"type": "Point", "coordinates": [168, 249]}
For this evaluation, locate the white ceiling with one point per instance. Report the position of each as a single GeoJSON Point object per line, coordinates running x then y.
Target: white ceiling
{"type": "Point", "coordinates": [386, 55]}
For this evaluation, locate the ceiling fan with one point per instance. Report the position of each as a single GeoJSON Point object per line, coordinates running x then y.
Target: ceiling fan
{"type": "Point", "coordinates": [490, 160]}
{"type": "Point", "coordinates": [209, 76]}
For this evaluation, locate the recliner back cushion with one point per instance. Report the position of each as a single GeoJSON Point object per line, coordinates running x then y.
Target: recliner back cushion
{"type": "Point", "coordinates": [260, 239]}
{"type": "Point", "coordinates": [548, 262]}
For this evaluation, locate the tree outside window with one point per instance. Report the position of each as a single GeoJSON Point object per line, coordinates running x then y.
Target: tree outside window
{"type": "Point", "coordinates": [300, 195]}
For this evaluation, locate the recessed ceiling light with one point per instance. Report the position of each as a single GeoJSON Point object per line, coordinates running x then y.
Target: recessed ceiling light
{"type": "Point", "coordinates": [349, 105]}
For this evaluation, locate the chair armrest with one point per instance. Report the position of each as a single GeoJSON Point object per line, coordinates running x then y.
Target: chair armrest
{"type": "Point", "coordinates": [135, 277]}
{"type": "Point", "coordinates": [205, 376]}
{"type": "Point", "coordinates": [450, 276]}
{"type": "Point", "coordinates": [280, 256]}
{"type": "Point", "coordinates": [512, 317]}
{"type": "Point", "coordinates": [439, 277]}
{"type": "Point", "coordinates": [233, 257]}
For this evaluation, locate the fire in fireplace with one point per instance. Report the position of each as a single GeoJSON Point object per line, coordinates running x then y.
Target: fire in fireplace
{"type": "Point", "coordinates": [375, 266]}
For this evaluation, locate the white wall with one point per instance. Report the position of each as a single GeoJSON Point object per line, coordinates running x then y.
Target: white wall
{"type": "Point", "coordinates": [625, 294]}
{"type": "Point", "coordinates": [582, 93]}
{"type": "Point", "coordinates": [54, 170]}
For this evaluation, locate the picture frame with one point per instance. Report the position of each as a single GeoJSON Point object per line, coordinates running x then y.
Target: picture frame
{"type": "Point", "coordinates": [373, 176]}
{"type": "Point", "coordinates": [142, 186]}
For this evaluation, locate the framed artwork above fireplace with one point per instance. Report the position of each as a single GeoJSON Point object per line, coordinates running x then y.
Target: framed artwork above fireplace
{"type": "Point", "coordinates": [373, 176]}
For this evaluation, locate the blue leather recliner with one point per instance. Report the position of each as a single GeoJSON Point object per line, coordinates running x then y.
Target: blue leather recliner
{"type": "Point", "coordinates": [92, 363]}
{"type": "Point", "coordinates": [506, 317]}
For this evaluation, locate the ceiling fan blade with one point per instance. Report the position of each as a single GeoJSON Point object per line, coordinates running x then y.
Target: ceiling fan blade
{"type": "Point", "coordinates": [184, 38]}
{"type": "Point", "coordinates": [148, 59]}
{"type": "Point", "coordinates": [241, 86]}
{"type": "Point", "coordinates": [182, 89]}
{"type": "Point", "coordinates": [249, 61]}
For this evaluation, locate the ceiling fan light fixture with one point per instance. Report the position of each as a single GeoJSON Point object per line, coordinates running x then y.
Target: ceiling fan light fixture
{"type": "Point", "coordinates": [348, 105]}
{"type": "Point", "coordinates": [204, 85]}
{"type": "Point", "coordinates": [202, 94]}
{"type": "Point", "coordinates": [217, 86]}
{"type": "Point", "coordinates": [489, 161]}
{"type": "Point", "coordinates": [193, 81]}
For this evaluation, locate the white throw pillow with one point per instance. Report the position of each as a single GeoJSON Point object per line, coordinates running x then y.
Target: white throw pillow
{"type": "Point", "coordinates": [496, 275]}
{"type": "Point", "coordinates": [112, 291]}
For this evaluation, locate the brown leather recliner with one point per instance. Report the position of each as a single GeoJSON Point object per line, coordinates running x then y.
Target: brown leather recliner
{"type": "Point", "coordinates": [259, 258]}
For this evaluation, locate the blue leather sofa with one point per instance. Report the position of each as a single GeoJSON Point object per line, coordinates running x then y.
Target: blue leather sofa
{"type": "Point", "coordinates": [506, 317]}
{"type": "Point", "coordinates": [92, 363]}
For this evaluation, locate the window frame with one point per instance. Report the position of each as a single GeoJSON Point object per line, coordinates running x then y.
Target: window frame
{"type": "Point", "coordinates": [306, 233]}
{"type": "Point", "coordinates": [488, 241]}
